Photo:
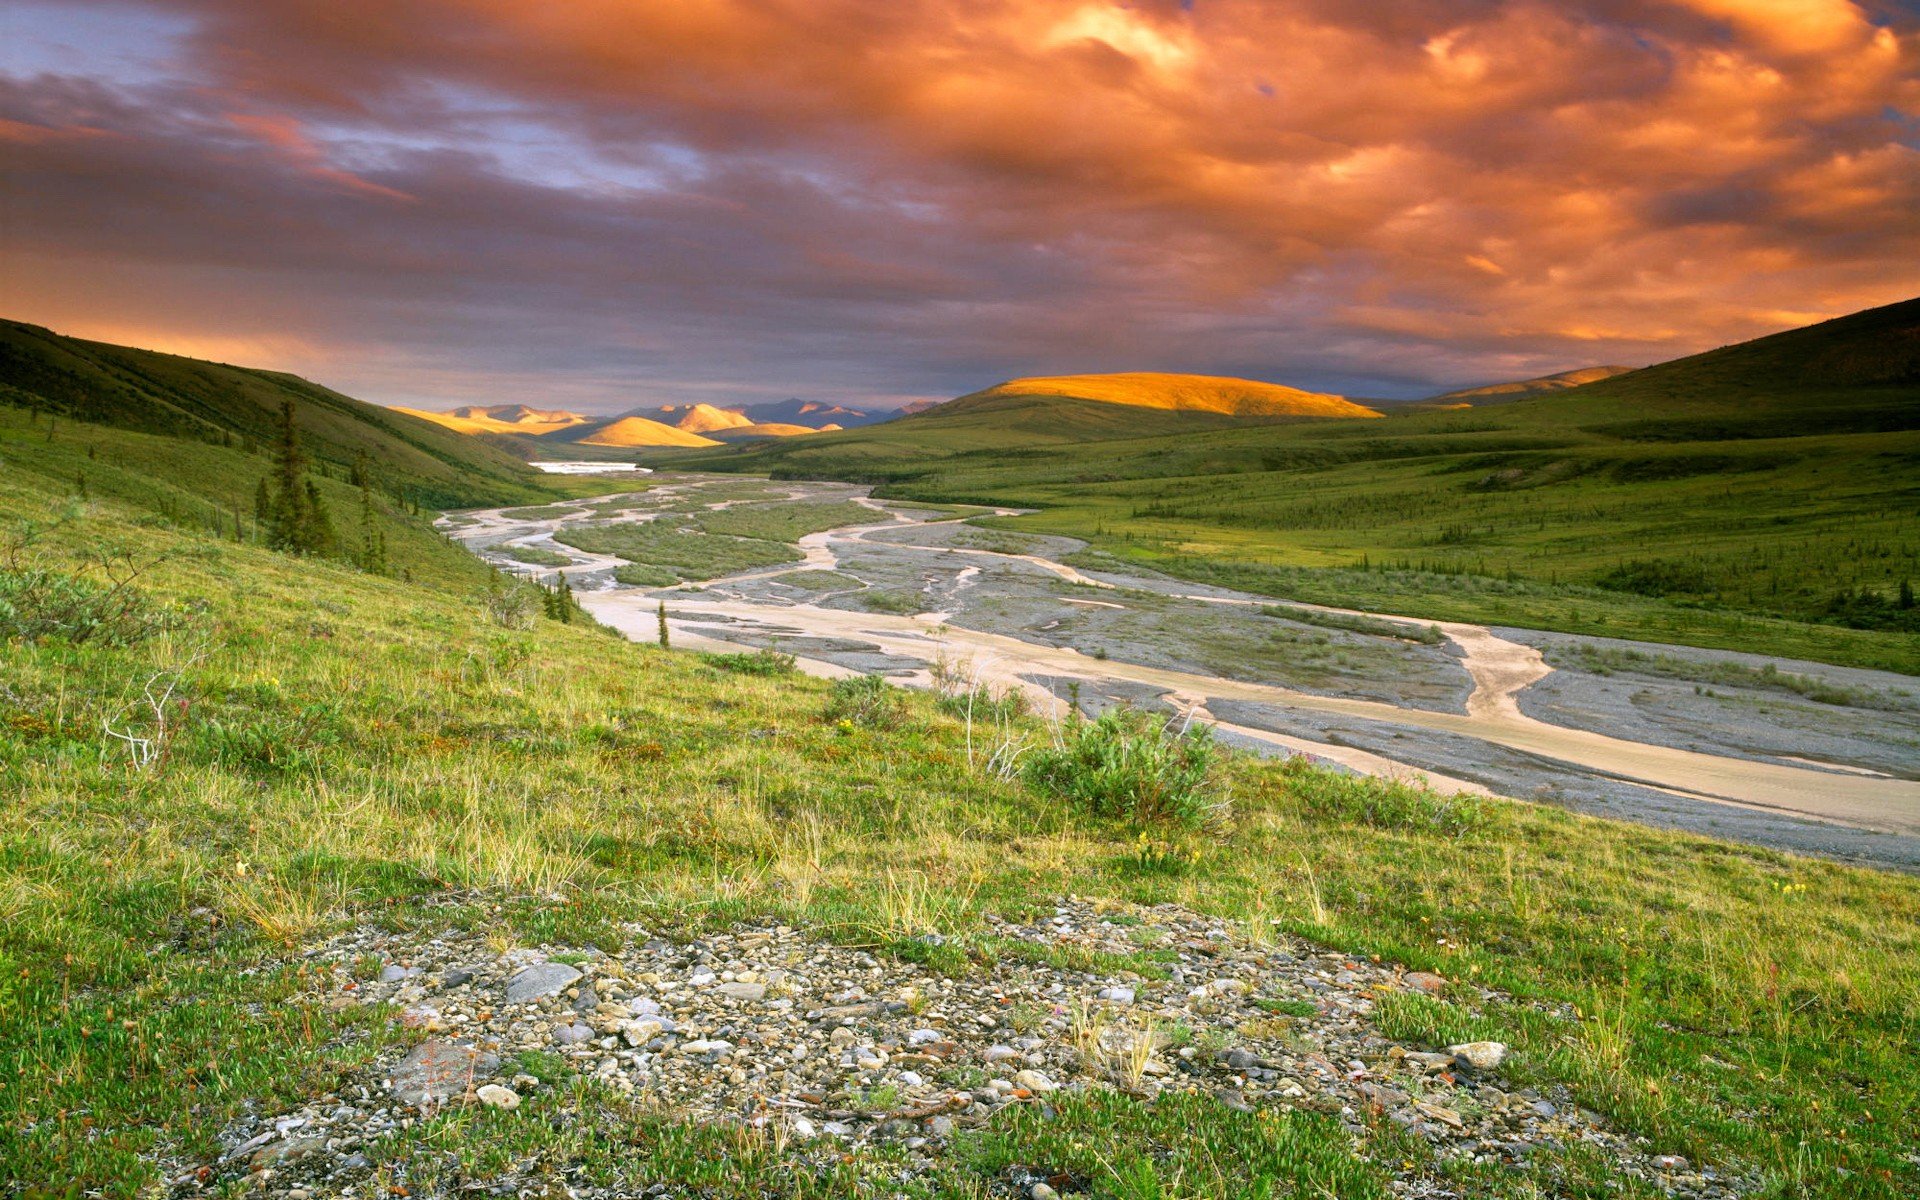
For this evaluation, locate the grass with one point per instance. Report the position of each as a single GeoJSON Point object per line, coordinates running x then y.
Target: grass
{"type": "Point", "coordinates": [535, 556]}
{"type": "Point", "coordinates": [358, 748]}
{"type": "Point", "coordinates": [679, 546]}
{"type": "Point", "coordinates": [1610, 660]}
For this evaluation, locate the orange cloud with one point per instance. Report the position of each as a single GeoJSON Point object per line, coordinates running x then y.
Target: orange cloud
{"type": "Point", "coordinates": [1300, 189]}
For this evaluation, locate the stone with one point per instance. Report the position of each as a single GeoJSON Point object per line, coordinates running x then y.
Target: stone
{"type": "Point", "coordinates": [288, 1150]}
{"type": "Point", "coordinates": [1425, 981]}
{"type": "Point", "coordinates": [746, 992]}
{"type": "Point", "coordinates": [1035, 1082]}
{"type": "Point", "coordinates": [940, 1127]}
{"type": "Point", "coordinates": [587, 1000]}
{"type": "Point", "coordinates": [393, 973]}
{"type": "Point", "coordinates": [436, 1070]}
{"type": "Point", "coordinates": [1118, 995]}
{"type": "Point", "coordinates": [494, 1096]}
{"type": "Point", "coordinates": [1481, 1056]}
{"type": "Point", "coordinates": [706, 1046]}
{"type": "Point", "coordinates": [1238, 1059]}
{"type": "Point", "coordinates": [540, 981]}
{"type": "Point", "coordinates": [573, 1035]}
{"type": "Point", "coordinates": [453, 977]}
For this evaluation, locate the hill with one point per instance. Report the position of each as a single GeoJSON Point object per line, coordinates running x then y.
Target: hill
{"type": "Point", "coordinates": [500, 418]}
{"type": "Point", "coordinates": [693, 418]}
{"type": "Point", "coordinates": [239, 406]}
{"type": "Point", "coordinates": [1182, 393]}
{"type": "Point", "coordinates": [814, 414]}
{"type": "Point", "coordinates": [1499, 393]}
{"type": "Point", "coordinates": [748, 433]}
{"type": "Point", "coordinates": [627, 432]}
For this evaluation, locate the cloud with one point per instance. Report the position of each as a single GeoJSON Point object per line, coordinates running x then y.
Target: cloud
{"type": "Point", "coordinates": [872, 198]}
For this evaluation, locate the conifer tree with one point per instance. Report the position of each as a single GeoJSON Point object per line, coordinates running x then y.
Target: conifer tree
{"type": "Point", "coordinates": [663, 625]}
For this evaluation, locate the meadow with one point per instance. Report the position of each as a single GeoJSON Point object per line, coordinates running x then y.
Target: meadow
{"type": "Point", "coordinates": [343, 749]}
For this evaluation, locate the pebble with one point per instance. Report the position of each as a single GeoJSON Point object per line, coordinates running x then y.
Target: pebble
{"type": "Point", "coordinates": [767, 1025]}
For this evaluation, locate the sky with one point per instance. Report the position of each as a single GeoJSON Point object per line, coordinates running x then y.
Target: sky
{"type": "Point", "coordinates": [599, 204]}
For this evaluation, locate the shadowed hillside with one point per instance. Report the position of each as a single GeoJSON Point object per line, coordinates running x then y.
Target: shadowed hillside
{"type": "Point", "coordinates": [237, 406]}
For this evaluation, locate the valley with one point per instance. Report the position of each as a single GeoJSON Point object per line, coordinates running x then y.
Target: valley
{"type": "Point", "coordinates": [1795, 755]}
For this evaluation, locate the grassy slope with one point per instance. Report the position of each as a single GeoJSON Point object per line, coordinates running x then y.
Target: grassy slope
{"type": "Point", "coordinates": [354, 747]}
{"type": "Point", "coordinates": [1757, 482]}
{"type": "Point", "coordinates": [225, 405]}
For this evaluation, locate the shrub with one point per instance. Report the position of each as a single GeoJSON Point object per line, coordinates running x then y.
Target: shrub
{"type": "Point", "coordinates": [36, 603]}
{"type": "Point", "coordinates": [756, 662]}
{"type": "Point", "coordinates": [1384, 803]}
{"type": "Point", "coordinates": [865, 700]}
{"type": "Point", "coordinates": [510, 605]}
{"type": "Point", "coordinates": [1132, 765]}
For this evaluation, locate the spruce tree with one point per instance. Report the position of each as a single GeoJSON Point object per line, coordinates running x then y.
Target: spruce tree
{"type": "Point", "coordinates": [316, 532]}
{"type": "Point", "coordinates": [663, 625]}
{"type": "Point", "coordinates": [289, 521]}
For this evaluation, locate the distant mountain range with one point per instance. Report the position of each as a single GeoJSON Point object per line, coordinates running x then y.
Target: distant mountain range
{"type": "Point", "coordinates": [664, 426]}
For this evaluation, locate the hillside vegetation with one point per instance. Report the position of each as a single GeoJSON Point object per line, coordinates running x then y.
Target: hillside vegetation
{"type": "Point", "coordinates": [358, 756]}
{"type": "Point", "coordinates": [1764, 491]}
{"type": "Point", "coordinates": [1183, 393]}
{"type": "Point", "coordinates": [239, 406]}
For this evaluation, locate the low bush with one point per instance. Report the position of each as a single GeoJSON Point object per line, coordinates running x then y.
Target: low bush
{"type": "Point", "coordinates": [36, 603]}
{"type": "Point", "coordinates": [1134, 766]}
{"type": "Point", "coordinates": [865, 700]}
{"type": "Point", "coordinates": [1383, 803]}
{"type": "Point", "coordinates": [753, 662]}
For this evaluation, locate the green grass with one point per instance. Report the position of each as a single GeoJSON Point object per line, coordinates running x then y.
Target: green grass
{"type": "Point", "coordinates": [680, 547]}
{"type": "Point", "coordinates": [535, 556]}
{"type": "Point", "coordinates": [357, 748]}
{"type": "Point", "coordinates": [1610, 660]}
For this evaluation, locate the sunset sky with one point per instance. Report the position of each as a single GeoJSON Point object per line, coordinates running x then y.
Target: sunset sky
{"type": "Point", "coordinates": [602, 203]}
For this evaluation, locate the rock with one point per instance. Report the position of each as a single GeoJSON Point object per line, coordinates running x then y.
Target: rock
{"type": "Point", "coordinates": [1240, 1060]}
{"type": "Point", "coordinates": [940, 1127]}
{"type": "Point", "coordinates": [1424, 981]}
{"type": "Point", "coordinates": [289, 1150]}
{"type": "Point", "coordinates": [1670, 1162]}
{"type": "Point", "coordinates": [1481, 1056]}
{"type": "Point", "coordinates": [706, 1046]}
{"type": "Point", "coordinates": [1119, 995]}
{"type": "Point", "coordinates": [921, 1037]}
{"type": "Point", "coordinates": [573, 1035]}
{"type": "Point", "coordinates": [1041, 1191]}
{"type": "Point", "coordinates": [453, 977]}
{"type": "Point", "coordinates": [393, 973]}
{"type": "Point", "coordinates": [538, 981]}
{"type": "Point", "coordinates": [1034, 1082]}
{"type": "Point", "coordinates": [747, 992]}
{"type": "Point", "coordinates": [494, 1096]}
{"type": "Point", "coordinates": [587, 1000]}
{"type": "Point", "coordinates": [641, 1030]}
{"type": "Point", "coordinates": [996, 1054]}
{"type": "Point", "coordinates": [435, 1071]}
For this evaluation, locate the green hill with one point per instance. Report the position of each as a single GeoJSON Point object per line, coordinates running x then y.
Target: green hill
{"type": "Point", "coordinates": [1769, 489]}
{"type": "Point", "coordinates": [224, 405]}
